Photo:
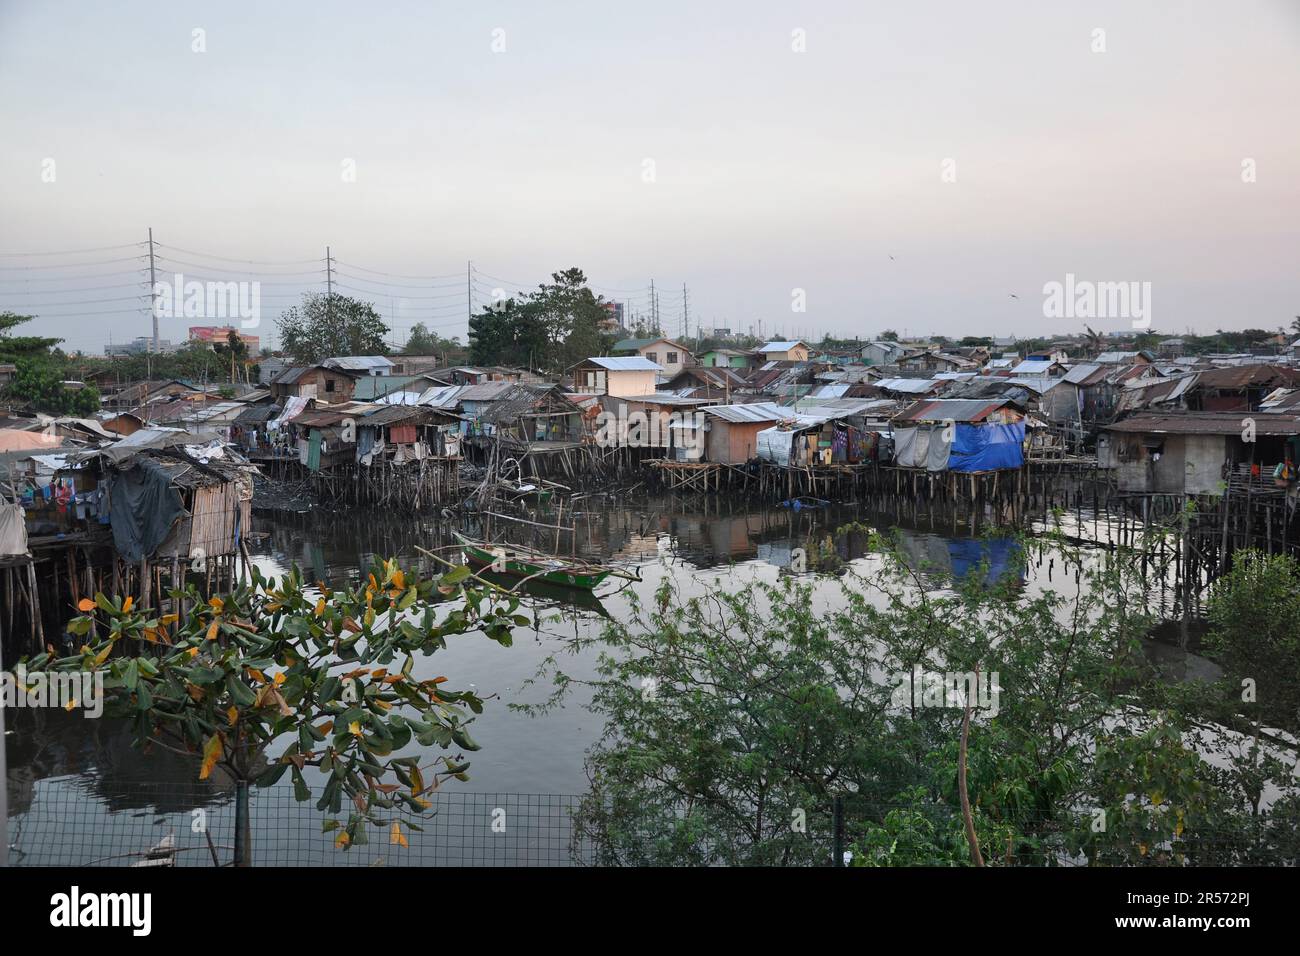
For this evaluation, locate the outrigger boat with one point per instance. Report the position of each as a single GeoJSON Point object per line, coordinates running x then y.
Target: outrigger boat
{"type": "Point", "coordinates": [521, 562]}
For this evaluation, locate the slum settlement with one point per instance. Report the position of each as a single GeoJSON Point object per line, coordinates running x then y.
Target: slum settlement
{"type": "Point", "coordinates": [161, 485]}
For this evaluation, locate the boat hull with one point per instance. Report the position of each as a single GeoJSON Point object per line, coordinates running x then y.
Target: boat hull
{"type": "Point", "coordinates": [521, 568]}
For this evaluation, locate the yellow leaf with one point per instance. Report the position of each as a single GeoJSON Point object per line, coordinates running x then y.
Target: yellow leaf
{"type": "Point", "coordinates": [423, 802]}
{"type": "Point", "coordinates": [70, 705]}
{"type": "Point", "coordinates": [149, 635]}
{"type": "Point", "coordinates": [382, 704]}
{"type": "Point", "coordinates": [128, 604]}
{"type": "Point", "coordinates": [399, 579]}
{"type": "Point", "coordinates": [232, 715]}
{"type": "Point", "coordinates": [354, 728]}
{"type": "Point", "coordinates": [212, 629]}
{"type": "Point", "coordinates": [211, 754]}
{"type": "Point", "coordinates": [217, 604]}
{"type": "Point", "coordinates": [257, 675]}
{"type": "Point", "coordinates": [103, 655]}
{"type": "Point", "coordinates": [320, 607]}
{"type": "Point", "coordinates": [396, 837]}
{"type": "Point", "coordinates": [279, 679]}
{"type": "Point", "coordinates": [193, 652]}
{"type": "Point", "coordinates": [86, 605]}
{"type": "Point", "coordinates": [417, 782]}
{"type": "Point", "coordinates": [342, 840]}
{"type": "Point", "coordinates": [170, 618]}
{"type": "Point", "coordinates": [326, 727]}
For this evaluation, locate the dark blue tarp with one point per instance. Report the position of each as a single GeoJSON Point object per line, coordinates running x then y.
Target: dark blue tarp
{"type": "Point", "coordinates": [143, 507]}
{"type": "Point", "coordinates": [968, 554]}
{"type": "Point", "coordinates": [987, 447]}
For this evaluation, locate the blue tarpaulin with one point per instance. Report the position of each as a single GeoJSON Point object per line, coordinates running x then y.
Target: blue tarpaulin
{"type": "Point", "coordinates": [987, 447]}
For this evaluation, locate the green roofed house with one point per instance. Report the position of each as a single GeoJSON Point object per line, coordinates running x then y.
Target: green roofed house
{"type": "Point", "coordinates": [725, 358]}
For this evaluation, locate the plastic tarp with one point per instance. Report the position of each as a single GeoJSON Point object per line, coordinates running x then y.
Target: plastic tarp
{"type": "Point", "coordinates": [144, 505]}
{"type": "Point", "coordinates": [938, 453]}
{"type": "Point", "coordinates": [995, 556]}
{"type": "Point", "coordinates": [13, 531]}
{"type": "Point", "coordinates": [988, 447]}
{"type": "Point", "coordinates": [904, 447]}
{"type": "Point", "coordinates": [774, 445]}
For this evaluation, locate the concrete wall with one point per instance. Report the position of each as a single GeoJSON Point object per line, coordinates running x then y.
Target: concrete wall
{"type": "Point", "coordinates": [658, 353]}
{"type": "Point", "coordinates": [1203, 463]}
{"type": "Point", "coordinates": [1188, 464]}
{"type": "Point", "coordinates": [630, 383]}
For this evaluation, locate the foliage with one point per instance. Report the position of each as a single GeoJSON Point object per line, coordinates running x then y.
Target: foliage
{"type": "Point", "coordinates": [330, 674]}
{"type": "Point", "coordinates": [37, 383]}
{"type": "Point", "coordinates": [1254, 614]}
{"type": "Point", "coordinates": [331, 324]}
{"type": "Point", "coordinates": [732, 716]}
{"type": "Point", "coordinates": [13, 348]}
{"type": "Point", "coordinates": [551, 329]}
{"type": "Point", "coordinates": [421, 341]}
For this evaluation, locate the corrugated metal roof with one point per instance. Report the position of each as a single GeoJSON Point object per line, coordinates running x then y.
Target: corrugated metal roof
{"type": "Point", "coordinates": [442, 396]}
{"type": "Point", "coordinates": [626, 363]}
{"type": "Point", "coordinates": [912, 386]}
{"type": "Point", "coordinates": [1080, 374]}
{"type": "Point", "coordinates": [1033, 367]}
{"type": "Point", "coordinates": [357, 363]}
{"type": "Point", "coordinates": [485, 391]}
{"type": "Point", "coordinates": [951, 409]}
{"type": "Point", "coordinates": [1207, 423]}
{"type": "Point", "coordinates": [755, 412]}
{"type": "Point", "coordinates": [829, 391]}
{"type": "Point", "coordinates": [781, 346]}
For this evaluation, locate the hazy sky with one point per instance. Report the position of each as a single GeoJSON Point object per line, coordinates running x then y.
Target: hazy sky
{"type": "Point", "coordinates": [773, 170]}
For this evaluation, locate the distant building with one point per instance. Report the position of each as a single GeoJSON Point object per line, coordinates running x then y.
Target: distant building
{"type": "Point", "coordinates": [670, 356]}
{"type": "Point", "coordinates": [220, 335]}
{"type": "Point", "coordinates": [724, 358]}
{"type": "Point", "coordinates": [795, 351]}
{"type": "Point", "coordinates": [613, 320]}
{"type": "Point", "coordinates": [620, 376]}
{"type": "Point", "coordinates": [360, 365]}
{"type": "Point", "coordinates": [881, 353]}
{"type": "Point", "coordinates": [314, 381]}
{"type": "Point", "coordinates": [140, 345]}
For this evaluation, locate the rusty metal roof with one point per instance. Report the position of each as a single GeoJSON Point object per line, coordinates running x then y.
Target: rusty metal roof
{"type": "Point", "coordinates": [952, 409]}
{"type": "Point", "coordinates": [1248, 376]}
{"type": "Point", "coordinates": [1207, 423]}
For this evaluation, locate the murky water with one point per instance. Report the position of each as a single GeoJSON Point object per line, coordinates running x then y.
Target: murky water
{"type": "Point", "coordinates": [69, 772]}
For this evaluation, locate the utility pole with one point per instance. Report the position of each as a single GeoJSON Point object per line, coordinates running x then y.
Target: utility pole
{"type": "Point", "coordinates": [153, 292]}
{"type": "Point", "coordinates": [654, 309]}
{"type": "Point", "coordinates": [469, 290]}
{"type": "Point", "coordinates": [329, 288]}
{"type": "Point", "coordinates": [686, 316]}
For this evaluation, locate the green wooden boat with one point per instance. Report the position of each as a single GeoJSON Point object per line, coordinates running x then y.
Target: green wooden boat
{"type": "Point", "coordinates": [519, 562]}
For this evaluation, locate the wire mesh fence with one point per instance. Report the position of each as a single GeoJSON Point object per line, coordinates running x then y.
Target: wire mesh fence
{"type": "Point", "coordinates": [69, 824]}
{"type": "Point", "coordinates": [74, 821]}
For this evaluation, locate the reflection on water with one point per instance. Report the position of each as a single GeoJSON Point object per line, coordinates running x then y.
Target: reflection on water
{"type": "Point", "coordinates": [701, 546]}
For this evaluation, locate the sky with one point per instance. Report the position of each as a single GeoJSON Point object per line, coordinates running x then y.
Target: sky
{"type": "Point", "coordinates": [791, 168]}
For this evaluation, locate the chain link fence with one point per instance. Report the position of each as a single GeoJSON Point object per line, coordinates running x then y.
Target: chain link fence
{"type": "Point", "coordinates": [75, 821]}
